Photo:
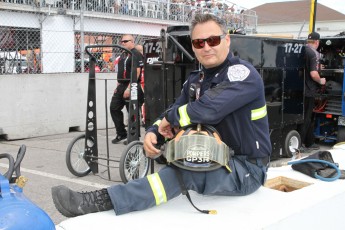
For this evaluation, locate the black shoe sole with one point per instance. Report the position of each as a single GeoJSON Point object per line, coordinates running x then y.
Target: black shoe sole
{"type": "Point", "coordinates": [118, 141]}
{"type": "Point", "coordinates": [58, 206]}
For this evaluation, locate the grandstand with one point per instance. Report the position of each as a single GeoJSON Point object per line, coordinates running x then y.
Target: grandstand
{"type": "Point", "coordinates": [47, 36]}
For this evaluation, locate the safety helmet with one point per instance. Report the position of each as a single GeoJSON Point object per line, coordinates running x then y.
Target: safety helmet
{"type": "Point", "coordinates": [197, 148]}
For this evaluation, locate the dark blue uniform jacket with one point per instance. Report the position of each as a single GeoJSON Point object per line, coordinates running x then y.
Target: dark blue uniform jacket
{"type": "Point", "coordinates": [232, 100]}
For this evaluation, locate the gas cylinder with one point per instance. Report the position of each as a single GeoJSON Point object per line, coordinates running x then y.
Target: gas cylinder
{"type": "Point", "coordinates": [16, 211]}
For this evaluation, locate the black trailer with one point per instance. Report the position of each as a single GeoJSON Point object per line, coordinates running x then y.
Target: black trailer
{"type": "Point", "coordinates": [169, 60]}
{"type": "Point", "coordinates": [280, 62]}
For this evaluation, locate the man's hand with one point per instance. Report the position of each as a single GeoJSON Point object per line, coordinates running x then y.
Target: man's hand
{"type": "Point", "coordinates": [165, 129]}
{"type": "Point", "coordinates": [127, 93]}
{"type": "Point", "coordinates": [150, 140]}
{"type": "Point", "coordinates": [322, 81]}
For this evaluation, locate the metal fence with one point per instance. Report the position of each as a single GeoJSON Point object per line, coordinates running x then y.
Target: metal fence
{"type": "Point", "coordinates": [28, 45]}
{"type": "Point", "coordinates": [19, 50]}
{"type": "Point", "coordinates": [105, 56]}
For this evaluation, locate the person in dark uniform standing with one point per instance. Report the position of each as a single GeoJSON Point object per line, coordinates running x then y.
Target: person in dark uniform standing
{"type": "Point", "coordinates": [312, 84]}
{"type": "Point", "coordinates": [231, 100]}
{"type": "Point", "coordinates": [122, 91]}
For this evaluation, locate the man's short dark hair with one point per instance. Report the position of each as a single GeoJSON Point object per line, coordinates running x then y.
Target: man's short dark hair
{"type": "Point", "coordinates": [202, 18]}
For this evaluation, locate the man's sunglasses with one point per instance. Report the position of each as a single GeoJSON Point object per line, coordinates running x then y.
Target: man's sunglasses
{"type": "Point", "coordinates": [125, 41]}
{"type": "Point", "coordinates": [211, 41]}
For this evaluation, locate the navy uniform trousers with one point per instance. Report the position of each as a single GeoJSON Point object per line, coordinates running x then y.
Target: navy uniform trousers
{"type": "Point", "coordinates": [160, 187]}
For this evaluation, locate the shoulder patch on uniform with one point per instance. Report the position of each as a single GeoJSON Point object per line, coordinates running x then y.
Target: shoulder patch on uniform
{"type": "Point", "coordinates": [238, 72]}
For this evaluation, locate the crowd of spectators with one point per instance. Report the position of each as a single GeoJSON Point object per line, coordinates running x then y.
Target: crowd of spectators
{"type": "Point", "coordinates": [233, 14]}
{"type": "Point", "coordinates": [184, 10]}
{"type": "Point", "coordinates": [178, 10]}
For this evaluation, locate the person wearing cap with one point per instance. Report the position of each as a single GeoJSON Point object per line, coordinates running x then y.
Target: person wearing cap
{"type": "Point", "coordinates": [312, 84]}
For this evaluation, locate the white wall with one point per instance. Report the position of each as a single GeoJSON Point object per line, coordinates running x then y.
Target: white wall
{"type": "Point", "coordinates": [47, 104]}
{"type": "Point", "coordinates": [123, 27]}
{"type": "Point", "coordinates": [57, 44]}
{"type": "Point", "coordinates": [19, 19]}
{"type": "Point", "coordinates": [329, 28]}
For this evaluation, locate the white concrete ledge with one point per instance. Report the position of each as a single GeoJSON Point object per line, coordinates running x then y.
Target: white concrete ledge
{"type": "Point", "coordinates": [48, 104]}
{"type": "Point", "coordinates": [317, 206]}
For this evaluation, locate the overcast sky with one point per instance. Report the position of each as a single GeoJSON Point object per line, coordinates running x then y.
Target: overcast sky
{"type": "Point", "coordinates": [338, 5]}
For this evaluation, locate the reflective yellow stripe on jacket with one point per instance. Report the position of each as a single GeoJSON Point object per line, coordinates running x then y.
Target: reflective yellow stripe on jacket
{"type": "Point", "coordinates": [259, 113]}
{"type": "Point", "coordinates": [158, 122]}
{"type": "Point", "coordinates": [157, 188]}
{"type": "Point", "coordinates": [184, 118]}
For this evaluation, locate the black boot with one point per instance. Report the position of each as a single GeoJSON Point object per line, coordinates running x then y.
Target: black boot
{"type": "Point", "coordinates": [70, 203]}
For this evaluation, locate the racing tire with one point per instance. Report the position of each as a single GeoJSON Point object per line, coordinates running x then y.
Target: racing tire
{"type": "Point", "coordinates": [341, 134]}
{"type": "Point", "coordinates": [133, 162]}
{"type": "Point", "coordinates": [75, 156]}
{"type": "Point", "coordinates": [292, 142]}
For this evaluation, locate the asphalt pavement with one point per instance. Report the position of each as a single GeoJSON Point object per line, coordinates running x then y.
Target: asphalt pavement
{"type": "Point", "coordinates": [44, 165]}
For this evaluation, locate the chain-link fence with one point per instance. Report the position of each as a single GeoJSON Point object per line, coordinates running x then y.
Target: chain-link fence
{"type": "Point", "coordinates": [48, 36]}
{"type": "Point", "coordinates": [40, 45]}
{"type": "Point", "coordinates": [105, 56]}
{"type": "Point", "coordinates": [19, 57]}
{"type": "Point", "coordinates": [25, 56]}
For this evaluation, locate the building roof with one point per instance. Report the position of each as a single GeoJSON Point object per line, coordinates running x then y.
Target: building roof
{"type": "Point", "coordinates": [294, 11]}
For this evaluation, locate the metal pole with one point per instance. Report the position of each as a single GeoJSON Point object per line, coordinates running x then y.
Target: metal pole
{"type": "Point", "coordinates": [82, 8]}
{"type": "Point", "coordinates": [313, 7]}
{"type": "Point", "coordinates": [106, 125]}
{"type": "Point", "coordinates": [300, 31]}
{"type": "Point", "coordinates": [40, 66]}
